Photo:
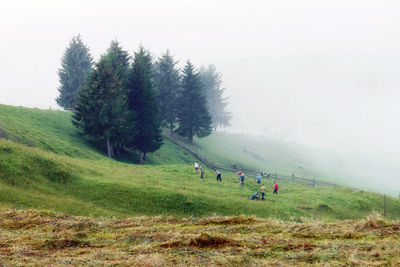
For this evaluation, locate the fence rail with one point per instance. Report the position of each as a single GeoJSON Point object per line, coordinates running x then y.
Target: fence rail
{"type": "Point", "coordinates": [209, 163]}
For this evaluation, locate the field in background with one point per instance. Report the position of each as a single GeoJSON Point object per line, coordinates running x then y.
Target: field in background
{"type": "Point", "coordinates": [367, 171]}
{"type": "Point", "coordinates": [55, 169]}
{"type": "Point", "coordinates": [255, 153]}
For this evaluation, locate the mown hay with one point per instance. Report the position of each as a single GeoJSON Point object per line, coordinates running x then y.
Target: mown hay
{"type": "Point", "coordinates": [206, 240]}
{"type": "Point", "coordinates": [64, 243]}
{"type": "Point", "coordinates": [172, 244]}
{"type": "Point", "coordinates": [375, 221]}
{"type": "Point", "coordinates": [227, 220]}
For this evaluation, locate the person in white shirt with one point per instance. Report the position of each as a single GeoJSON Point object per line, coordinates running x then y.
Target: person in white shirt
{"type": "Point", "coordinates": [218, 173]}
{"type": "Point", "coordinates": [196, 166]}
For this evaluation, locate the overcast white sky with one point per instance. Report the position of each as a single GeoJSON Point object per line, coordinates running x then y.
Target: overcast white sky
{"type": "Point", "coordinates": [325, 73]}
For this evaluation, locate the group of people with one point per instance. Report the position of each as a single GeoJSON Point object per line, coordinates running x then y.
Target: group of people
{"type": "Point", "coordinates": [201, 168]}
{"type": "Point", "coordinates": [262, 190]}
{"type": "Point", "coordinates": [241, 177]}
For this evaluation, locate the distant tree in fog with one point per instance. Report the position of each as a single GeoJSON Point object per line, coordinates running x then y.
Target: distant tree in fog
{"type": "Point", "coordinates": [213, 92]}
{"type": "Point", "coordinates": [193, 115]}
{"type": "Point", "coordinates": [75, 67]}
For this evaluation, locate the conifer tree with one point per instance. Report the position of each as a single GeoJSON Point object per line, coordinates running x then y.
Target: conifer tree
{"type": "Point", "coordinates": [102, 103]}
{"type": "Point", "coordinates": [75, 67]}
{"type": "Point", "coordinates": [193, 116]}
{"type": "Point", "coordinates": [120, 63]}
{"type": "Point", "coordinates": [214, 94]}
{"type": "Point", "coordinates": [121, 60]}
{"type": "Point", "coordinates": [166, 84]}
{"type": "Point", "coordinates": [143, 103]}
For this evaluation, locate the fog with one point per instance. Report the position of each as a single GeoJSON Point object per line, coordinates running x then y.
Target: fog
{"type": "Point", "coordinates": [319, 73]}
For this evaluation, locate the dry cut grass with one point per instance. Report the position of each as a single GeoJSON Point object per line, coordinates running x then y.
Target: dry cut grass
{"type": "Point", "coordinates": [40, 238]}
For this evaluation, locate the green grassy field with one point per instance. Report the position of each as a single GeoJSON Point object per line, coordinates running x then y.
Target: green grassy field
{"type": "Point", "coordinates": [55, 169]}
{"type": "Point", "coordinates": [53, 131]}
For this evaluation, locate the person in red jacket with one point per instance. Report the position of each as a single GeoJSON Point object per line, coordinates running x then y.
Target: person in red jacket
{"type": "Point", "coordinates": [275, 188]}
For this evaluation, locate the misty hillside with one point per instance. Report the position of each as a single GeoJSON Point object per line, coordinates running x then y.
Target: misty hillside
{"type": "Point", "coordinates": [53, 168]}
{"type": "Point", "coordinates": [367, 171]}
{"type": "Point", "coordinates": [53, 131]}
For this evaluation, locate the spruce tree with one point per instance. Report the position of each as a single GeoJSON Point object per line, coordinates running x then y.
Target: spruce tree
{"type": "Point", "coordinates": [214, 94]}
{"type": "Point", "coordinates": [75, 67]}
{"type": "Point", "coordinates": [143, 103]}
{"type": "Point", "coordinates": [120, 63]}
{"type": "Point", "coordinates": [102, 103]}
{"type": "Point", "coordinates": [193, 116]}
{"type": "Point", "coordinates": [166, 84]}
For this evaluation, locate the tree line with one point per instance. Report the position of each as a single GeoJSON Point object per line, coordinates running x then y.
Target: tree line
{"type": "Point", "coordinates": [124, 101]}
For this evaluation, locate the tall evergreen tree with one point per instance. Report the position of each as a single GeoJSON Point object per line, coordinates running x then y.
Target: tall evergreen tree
{"type": "Point", "coordinates": [120, 59]}
{"type": "Point", "coordinates": [75, 67]}
{"type": "Point", "coordinates": [166, 84]}
{"type": "Point", "coordinates": [120, 63]}
{"type": "Point", "coordinates": [102, 103]}
{"type": "Point", "coordinates": [214, 94]}
{"type": "Point", "coordinates": [193, 116]}
{"type": "Point", "coordinates": [143, 103]}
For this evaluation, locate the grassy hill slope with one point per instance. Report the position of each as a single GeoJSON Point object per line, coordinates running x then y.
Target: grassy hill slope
{"type": "Point", "coordinates": [367, 171]}
{"type": "Point", "coordinates": [58, 171]}
{"type": "Point", "coordinates": [256, 153]}
{"type": "Point", "coordinates": [53, 131]}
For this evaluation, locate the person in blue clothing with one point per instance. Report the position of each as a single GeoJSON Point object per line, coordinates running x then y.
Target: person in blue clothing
{"type": "Point", "coordinates": [258, 177]}
{"type": "Point", "coordinates": [201, 171]}
{"type": "Point", "coordinates": [242, 178]}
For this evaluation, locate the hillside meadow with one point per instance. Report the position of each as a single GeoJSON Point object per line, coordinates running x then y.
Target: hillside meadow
{"type": "Point", "coordinates": [63, 202]}
{"type": "Point", "coordinates": [55, 168]}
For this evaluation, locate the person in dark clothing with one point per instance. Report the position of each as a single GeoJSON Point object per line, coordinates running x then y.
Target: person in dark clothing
{"type": "Point", "coordinates": [201, 171]}
{"type": "Point", "coordinates": [242, 178]}
{"type": "Point", "coordinates": [218, 173]}
{"type": "Point", "coordinates": [262, 191]}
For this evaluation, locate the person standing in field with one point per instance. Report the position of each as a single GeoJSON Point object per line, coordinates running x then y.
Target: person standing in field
{"type": "Point", "coordinates": [239, 173]}
{"type": "Point", "coordinates": [262, 191]}
{"type": "Point", "coordinates": [201, 171]}
{"type": "Point", "coordinates": [258, 177]}
{"type": "Point", "coordinates": [218, 173]}
{"type": "Point", "coordinates": [275, 188]}
{"type": "Point", "coordinates": [196, 166]}
{"type": "Point", "coordinates": [242, 177]}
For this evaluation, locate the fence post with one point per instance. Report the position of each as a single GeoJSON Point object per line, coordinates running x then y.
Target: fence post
{"type": "Point", "coordinates": [384, 206]}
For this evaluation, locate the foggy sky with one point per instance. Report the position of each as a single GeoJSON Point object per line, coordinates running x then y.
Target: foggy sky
{"type": "Point", "coordinates": [323, 73]}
